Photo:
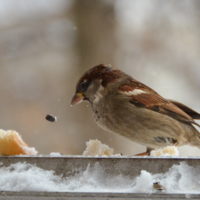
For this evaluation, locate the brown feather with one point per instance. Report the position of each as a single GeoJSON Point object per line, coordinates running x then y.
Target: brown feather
{"type": "Point", "coordinates": [186, 109]}
{"type": "Point", "coordinates": [153, 101]}
{"type": "Point", "coordinates": [102, 72]}
{"type": "Point", "coordinates": [133, 84]}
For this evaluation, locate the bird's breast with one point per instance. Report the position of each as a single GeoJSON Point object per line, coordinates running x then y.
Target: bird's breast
{"type": "Point", "coordinates": [139, 124]}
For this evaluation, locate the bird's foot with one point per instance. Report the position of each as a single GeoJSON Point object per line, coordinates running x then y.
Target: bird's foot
{"type": "Point", "coordinates": [147, 153]}
{"type": "Point", "coordinates": [175, 144]}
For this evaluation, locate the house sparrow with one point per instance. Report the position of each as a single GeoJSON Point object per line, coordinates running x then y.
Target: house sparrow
{"type": "Point", "coordinates": [125, 106]}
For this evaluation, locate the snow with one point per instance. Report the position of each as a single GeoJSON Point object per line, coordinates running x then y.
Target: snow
{"type": "Point", "coordinates": [56, 154]}
{"type": "Point", "coordinates": [26, 177]}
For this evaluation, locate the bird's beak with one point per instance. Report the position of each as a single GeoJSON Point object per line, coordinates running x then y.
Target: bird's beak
{"type": "Point", "coordinates": [77, 98]}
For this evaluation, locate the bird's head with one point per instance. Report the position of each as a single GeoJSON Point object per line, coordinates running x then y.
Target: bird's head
{"type": "Point", "coordinates": [93, 81]}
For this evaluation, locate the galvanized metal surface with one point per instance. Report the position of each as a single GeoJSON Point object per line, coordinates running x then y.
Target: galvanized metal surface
{"type": "Point", "coordinates": [130, 166]}
{"type": "Point", "coordinates": [91, 196]}
{"type": "Point", "coordinates": [68, 166]}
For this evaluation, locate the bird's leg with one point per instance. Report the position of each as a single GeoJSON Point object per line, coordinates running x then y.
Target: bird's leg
{"type": "Point", "coordinates": [175, 143]}
{"type": "Point", "coordinates": [147, 153]}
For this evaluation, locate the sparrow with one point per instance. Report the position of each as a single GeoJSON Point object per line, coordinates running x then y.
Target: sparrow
{"type": "Point", "coordinates": [125, 106]}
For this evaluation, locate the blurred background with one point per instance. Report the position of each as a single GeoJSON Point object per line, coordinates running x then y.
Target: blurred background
{"type": "Point", "coordinates": [45, 46]}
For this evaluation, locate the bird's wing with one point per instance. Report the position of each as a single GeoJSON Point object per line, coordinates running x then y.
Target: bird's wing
{"type": "Point", "coordinates": [186, 109]}
{"type": "Point", "coordinates": [143, 96]}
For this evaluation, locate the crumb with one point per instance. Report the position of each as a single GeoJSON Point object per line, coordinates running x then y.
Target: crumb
{"type": "Point", "coordinates": [167, 151]}
{"type": "Point", "coordinates": [96, 148]}
{"type": "Point", "coordinates": [11, 143]}
{"type": "Point", "coordinates": [158, 186]}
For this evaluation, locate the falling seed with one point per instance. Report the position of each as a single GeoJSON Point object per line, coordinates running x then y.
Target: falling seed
{"type": "Point", "coordinates": [158, 186]}
{"type": "Point", "coordinates": [51, 118]}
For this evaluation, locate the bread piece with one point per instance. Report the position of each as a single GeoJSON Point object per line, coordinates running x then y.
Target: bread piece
{"type": "Point", "coordinates": [167, 151]}
{"type": "Point", "coordinates": [11, 143]}
{"type": "Point", "coordinates": [96, 148]}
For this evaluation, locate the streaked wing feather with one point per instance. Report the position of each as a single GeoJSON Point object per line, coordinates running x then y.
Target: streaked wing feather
{"type": "Point", "coordinates": [186, 109]}
{"type": "Point", "coordinates": [153, 101]}
{"type": "Point", "coordinates": [158, 104]}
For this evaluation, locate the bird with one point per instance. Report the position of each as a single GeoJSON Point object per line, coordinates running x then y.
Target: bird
{"type": "Point", "coordinates": [124, 106]}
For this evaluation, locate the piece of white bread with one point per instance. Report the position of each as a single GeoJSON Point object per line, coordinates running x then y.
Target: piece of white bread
{"type": "Point", "coordinates": [96, 148]}
{"type": "Point", "coordinates": [11, 143]}
{"type": "Point", "coordinates": [167, 151]}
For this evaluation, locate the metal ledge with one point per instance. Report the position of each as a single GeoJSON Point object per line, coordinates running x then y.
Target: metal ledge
{"type": "Point", "coordinates": [127, 166]}
{"type": "Point", "coordinates": [112, 165]}
{"type": "Point", "coordinates": [91, 196]}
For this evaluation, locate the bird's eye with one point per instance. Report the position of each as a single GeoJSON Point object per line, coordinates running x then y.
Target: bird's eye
{"type": "Point", "coordinates": [83, 86]}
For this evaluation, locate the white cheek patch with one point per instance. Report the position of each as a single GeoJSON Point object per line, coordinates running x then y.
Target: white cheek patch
{"type": "Point", "coordinates": [134, 92]}
{"type": "Point", "coordinates": [99, 94]}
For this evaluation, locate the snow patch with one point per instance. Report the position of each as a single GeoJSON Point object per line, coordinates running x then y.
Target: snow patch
{"type": "Point", "coordinates": [56, 154]}
{"type": "Point", "coordinates": [26, 177]}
